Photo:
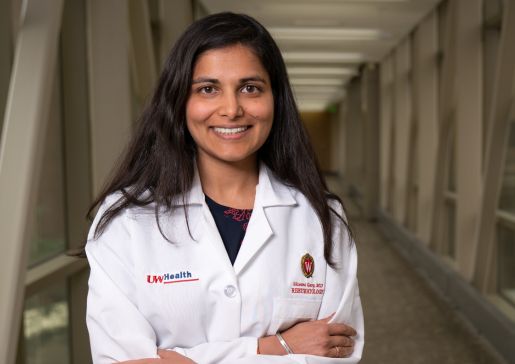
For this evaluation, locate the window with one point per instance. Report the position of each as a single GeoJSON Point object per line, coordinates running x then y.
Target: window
{"type": "Point", "coordinates": [506, 225]}
{"type": "Point", "coordinates": [506, 262]}
{"type": "Point", "coordinates": [451, 165]}
{"type": "Point", "coordinates": [411, 216]}
{"type": "Point", "coordinates": [391, 169]}
{"type": "Point", "coordinates": [46, 327]}
{"type": "Point", "coordinates": [52, 326]}
{"type": "Point", "coordinates": [49, 221]}
{"type": "Point", "coordinates": [450, 228]}
{"type": "Point", "coordinates": [492, 16]}
{"type": "Point", "coordinates": [507, 198]}
{"type": "Point", "coordinates": [6, 53]}
{"type": "Point", "coordinates": [448, 248]}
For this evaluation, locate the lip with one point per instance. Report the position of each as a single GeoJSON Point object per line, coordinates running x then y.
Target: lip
{"type": "Point", "coordinates": [234, 136]}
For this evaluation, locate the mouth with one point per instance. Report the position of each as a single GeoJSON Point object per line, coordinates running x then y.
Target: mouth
{"type": "Point", "coordinates": [231, 130]}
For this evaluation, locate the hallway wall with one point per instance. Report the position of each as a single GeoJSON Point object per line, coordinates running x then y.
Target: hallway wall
{"type": "Point", "coordinates": [444, 161]}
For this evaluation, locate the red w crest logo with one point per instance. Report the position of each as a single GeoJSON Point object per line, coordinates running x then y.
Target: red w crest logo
{"type": "Point", "coordinates": [307, 264]}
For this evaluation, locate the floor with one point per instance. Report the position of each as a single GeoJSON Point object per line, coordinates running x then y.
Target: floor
{"type": "Point", "coordinates": [405, 320]}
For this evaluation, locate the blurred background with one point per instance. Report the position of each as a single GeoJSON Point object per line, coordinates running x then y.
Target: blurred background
{"type": "Point", "coordinates": [409, 105]}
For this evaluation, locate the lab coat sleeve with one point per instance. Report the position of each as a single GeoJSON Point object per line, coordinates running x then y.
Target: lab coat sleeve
{"type": "Point", "coordinates": [342, 291]}
{"type": "Point", "coordinates": [347, 310]}
{"type": "Point", "coordinates": [222, 351]}
{"type": "Point", "coordinates": [117, 330]}
{"type": "Point", "coordinates": [341, 297]}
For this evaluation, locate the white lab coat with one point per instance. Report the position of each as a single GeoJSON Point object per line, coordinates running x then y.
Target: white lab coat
{"type": "Point", "coordinates": [215, 312]}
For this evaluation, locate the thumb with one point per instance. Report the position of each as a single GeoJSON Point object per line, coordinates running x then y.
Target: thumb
{"type": "Point", "coordinates": [166, 354]}
{"type": "Point", "coordinates": [328, 318]}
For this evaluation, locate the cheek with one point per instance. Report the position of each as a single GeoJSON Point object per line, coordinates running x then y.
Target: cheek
{"type": "Point", "coordinates": [197, 112]}
{"type": "Point", "coordinates": [263, 111]}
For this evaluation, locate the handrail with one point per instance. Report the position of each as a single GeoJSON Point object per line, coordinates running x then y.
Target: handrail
{"type": "Point", "coordinates": [26, 118]}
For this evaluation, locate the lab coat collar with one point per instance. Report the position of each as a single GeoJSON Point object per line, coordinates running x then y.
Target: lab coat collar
{"type": "Point", "coordinates": [269, 191]}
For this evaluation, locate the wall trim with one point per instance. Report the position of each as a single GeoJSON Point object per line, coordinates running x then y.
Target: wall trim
{"type": "Point", "coordinates": [475, 308]}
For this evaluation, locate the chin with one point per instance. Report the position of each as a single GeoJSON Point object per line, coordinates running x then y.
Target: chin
{"type": "Point", "coordinates": [235, 157]}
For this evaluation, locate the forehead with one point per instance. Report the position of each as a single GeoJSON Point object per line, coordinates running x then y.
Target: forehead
{"type": "Point", "coordinates": [232, 61]}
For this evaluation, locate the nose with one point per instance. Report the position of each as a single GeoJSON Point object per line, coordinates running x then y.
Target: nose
{"type": "Point", "coordinates": [231, 107]}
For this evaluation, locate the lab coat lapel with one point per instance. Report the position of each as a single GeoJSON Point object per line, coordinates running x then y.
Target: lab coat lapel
{"type": "Point", "coordinates": [181, 231]}
{"type": "Point", "coordinates": [205, 227]}
{"type": "Point", "coordinates": [269, 193]}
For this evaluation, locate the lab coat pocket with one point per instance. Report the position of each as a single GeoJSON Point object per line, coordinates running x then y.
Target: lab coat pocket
{"type": "Point", "coordinates": [289, 311]}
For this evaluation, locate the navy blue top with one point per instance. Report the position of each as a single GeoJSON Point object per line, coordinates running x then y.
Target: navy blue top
{"type": "Point", "coordinates": [232, 224]}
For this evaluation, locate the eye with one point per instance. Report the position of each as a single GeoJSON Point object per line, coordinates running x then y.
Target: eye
{"type": "Point", "coordinates": [250, 89]}
{"type": "Point", "coordinates": [208, 90]}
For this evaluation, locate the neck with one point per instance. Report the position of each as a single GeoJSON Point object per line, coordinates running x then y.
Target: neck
{"type": "Point", "coordinates": [231, 184]}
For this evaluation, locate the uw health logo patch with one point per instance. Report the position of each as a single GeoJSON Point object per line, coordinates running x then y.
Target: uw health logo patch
{"type": "Point", "coordinates": [307, 264]}
{"type": "Point", "coordinates": [167, 278]}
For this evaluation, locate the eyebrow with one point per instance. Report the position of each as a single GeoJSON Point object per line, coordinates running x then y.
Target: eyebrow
{"type": "Point", "coordinates": [216, 81]}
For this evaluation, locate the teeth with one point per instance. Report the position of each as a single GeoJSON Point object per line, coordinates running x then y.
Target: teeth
{"type": "Point", "coordinates": [229, 131]}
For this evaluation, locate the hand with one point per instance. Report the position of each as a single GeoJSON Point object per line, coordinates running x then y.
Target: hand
{"type": "Point", "coordinates": [174, 357]}
{"type": "Point", "coordinates": [166, 357]}
{"type": "Point", "coordinates": [320, 338]}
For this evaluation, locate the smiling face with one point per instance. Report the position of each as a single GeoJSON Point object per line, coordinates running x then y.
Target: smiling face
{"type": "Point", "coordinates": [230, 110]}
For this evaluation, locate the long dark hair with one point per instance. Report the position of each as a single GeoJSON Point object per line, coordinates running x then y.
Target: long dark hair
{"type": "Point", "coordinates": [160, 158]}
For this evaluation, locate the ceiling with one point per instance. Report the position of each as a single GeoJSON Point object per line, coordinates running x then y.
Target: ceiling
{"type": "Point", "coordinates": [325, 41]}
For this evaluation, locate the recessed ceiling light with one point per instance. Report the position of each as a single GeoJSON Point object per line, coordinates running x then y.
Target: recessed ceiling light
{"type": "Point", "coordinates": [317, 89]}
{"type": "Point", "coordinates": [323, 57]}
{"type": "Point", "coordinates": [317, 97]}
{"type": "Point", "coordinates": [321, 71]}
{"type": "Point", "coordinates": [318, 33]}
{"type": "Point", "coordinates": [316, 82]}
{"type": "Point", "coordinates": [312, 105]}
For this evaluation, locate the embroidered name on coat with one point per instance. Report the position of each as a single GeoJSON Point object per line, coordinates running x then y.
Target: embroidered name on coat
{"type": "Point", "coordinates": [307, 288]}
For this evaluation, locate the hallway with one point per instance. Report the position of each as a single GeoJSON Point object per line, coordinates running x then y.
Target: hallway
{"type": "Point", "coordinates": [405, 320]}
{"type": "Point", "coordinates": [410, 109]}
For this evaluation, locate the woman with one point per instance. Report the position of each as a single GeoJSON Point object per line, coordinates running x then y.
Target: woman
{"type": "Point", "coordinates": [216, 240]}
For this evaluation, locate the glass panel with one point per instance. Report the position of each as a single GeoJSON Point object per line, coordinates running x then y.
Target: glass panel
{"type": "Point", "coordinates": [492, 12]}
{"type": "Point", "coordinates": [411, 219]}
{"type": "Point", "coordinates": [450, 214]}
{"type": "Point", "coordinates": [391, 169]}
{"type": "Point", "coordinates": [75, 119]}
{"type": "Point", "coordinates": [506, 263]}
{"type": "Point", "coordinates": [46, 327]}
{"type": "Point", "coordinates": [507, 198]}
{"type": "Point", "coordinates": [6, 55]}
{"type": "Point", "coordinates": [451, 171]}
{"type": "Point", "coordinates": [49, 222]}
{"type": "Point", "coordinates": [442, 37]}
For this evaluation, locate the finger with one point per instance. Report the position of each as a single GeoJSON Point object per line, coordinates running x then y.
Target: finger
{"type": "Point", "coordinates": [340, 352]}
{"type": "Point", "coordinates": [346, 351]}
{"type": "Point", "coordinates": [343, 341]}
{"type": "Point", "coordinates": [334, 352]}
{"type": "Point", "coordinates": [341, 329]}
{"type": "Point", "coordinates": [171, 356]}
{"type": "Point", "coordinates": [164, 354]}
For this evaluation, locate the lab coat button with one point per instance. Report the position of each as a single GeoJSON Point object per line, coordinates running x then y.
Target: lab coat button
{"type": "Point", "coordinates": [230, 291]}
